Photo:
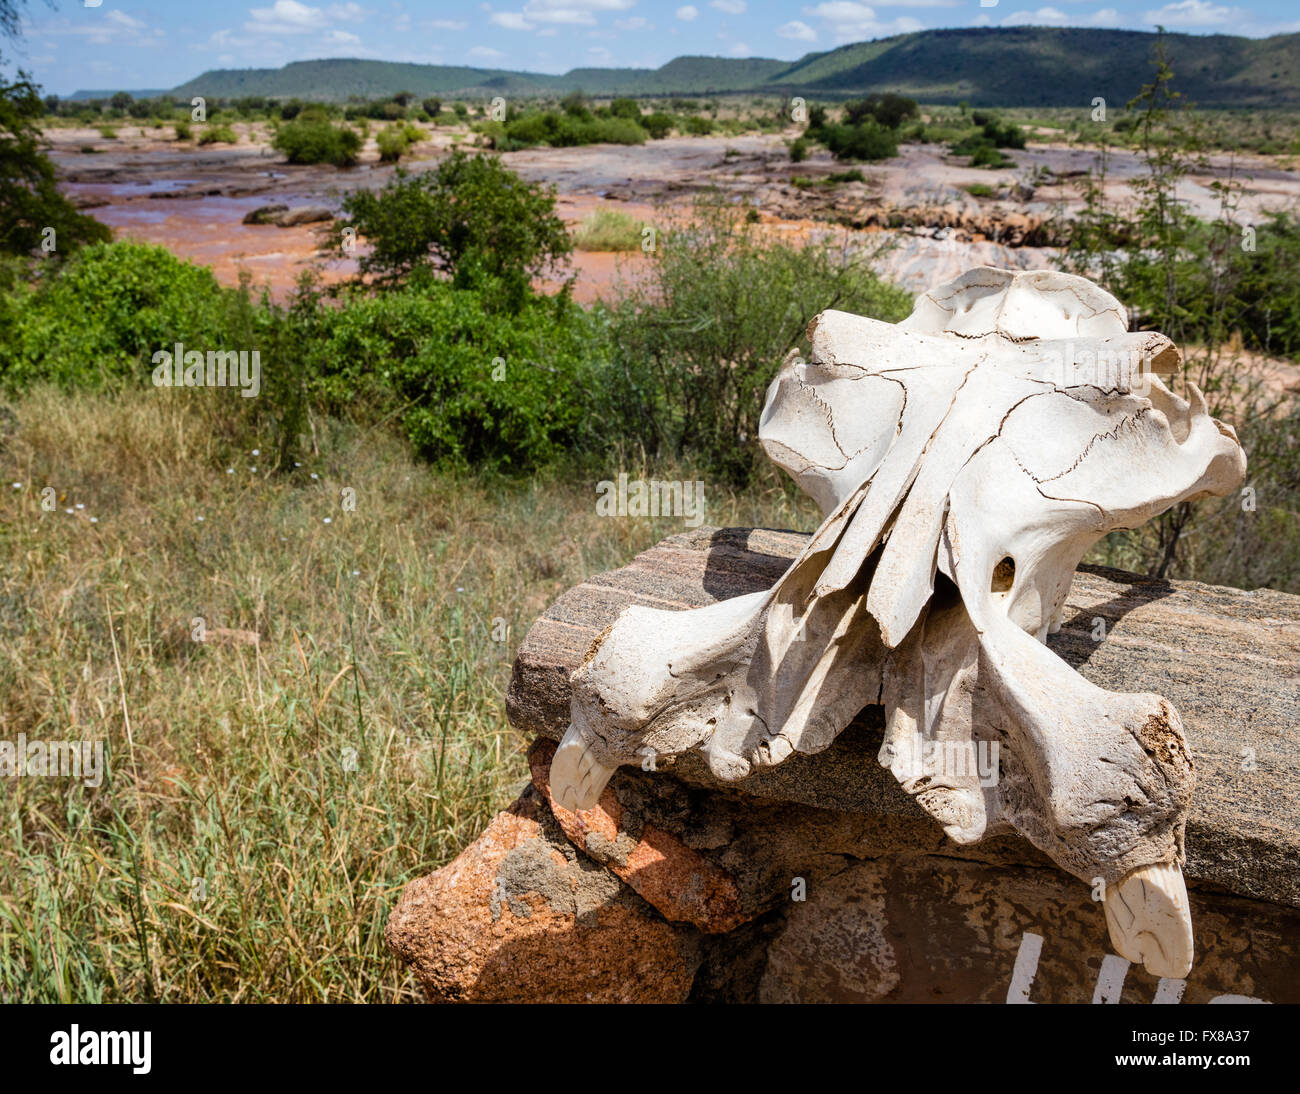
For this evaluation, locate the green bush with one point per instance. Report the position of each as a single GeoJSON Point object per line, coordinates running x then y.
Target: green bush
{"type": "Point", "coordinates": [868, 140]}
{"type": "Point", "coordinates": [480, 388]}
{"type": "Point", "coordinates": [215, 134]}
{"type": "Point", "coordinates": [395, 140]}
{"type": "Point", "coordinates": [698, 337]}
{"type": "Point", "coordinates": [571, 129]}
{"type": "Point", "coordinates": [658, 124]}
{"type": "Point", "coordinates": [30, 199]}
{"type": "Point", "coordinates": [467, 219]}
{"type": "Point", "coordinates": [698, 126]}
{"type": "Point", "coordinates": [184, 132]}
{"type": "Point", "coordinates": [889, 110]}
{"type": "Point", "coordinates": [799, 150]}
{"type": "Point", "coordinates": [312, 138]}
{"type": "Point", "coordinates": [105, 312]}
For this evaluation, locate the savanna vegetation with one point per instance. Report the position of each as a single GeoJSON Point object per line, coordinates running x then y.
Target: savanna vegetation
{"type": "Point", "coordinates": [365, 542]}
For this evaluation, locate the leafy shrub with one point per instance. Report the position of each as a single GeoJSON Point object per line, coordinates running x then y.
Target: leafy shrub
{"type": "Point", "coordinates": [106, 311]}
{"type": "Point", "coordinates": [658, 124]}
{"type": "Point", "coordinates": [697, 339]}
{"type": "Point", "coordinates": [799, 150]}
{"type": "Point", "coordinates": [889, 110]}
{"type": "Point", "coordinates": [470, 217]}
{"type": "Point", "coordinates": [222, 134]}
{"type": "Point", "coordinates": [432, 107]}
{"type": "Point", "coordinates": [626, 108]}
{"type": "Point", "coordinates": [312, 138]}
{"type": "Point", "coordinates": [30, 200]}
{"type": "Point", "coordinates": [868, 140]}
{"type": "Point", "coordinates": [184, 132]}
{"type": "Point", "coordinates": [572, 129]}
{"type": "Point", "coordinates": [108, 132]}
{"type": "Point", "coordinates": [698, 126]}
{"type": "Point", "coordinates": [482, 388]}
{"type": "Point", "coordinates": [395, 140]}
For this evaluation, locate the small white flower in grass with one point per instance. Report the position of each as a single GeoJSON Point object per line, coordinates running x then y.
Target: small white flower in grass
{"type": "Point", "coordinates": [256, 452]}
{"type": "Point", "coordinates": [284, 539]}
{"type": "Point", "coordinates": [18, 486]}
{"type": "Point", "coordinates": [356, 573]}
{"type": "Point", "coordinates": [198, 518]}
{"type": "Point", "coordinates": [69, 511]}
{"type": "Point", "coordinates": [296, 463]}
{"type": "Point", "coordinates": [230, 470]}
{"type": "Point", "coordinates": [94, 520]}
{"type": "Point", "coordinates": [460, 589]}
{"type": "Point", "coordinates": [328, 520]}
{"type": "Point", "coordinates": [253, 470]}
{"type": "Point", "coordinates": [80, 505]}
{"type": "Point", "coordinates": [314, 475]}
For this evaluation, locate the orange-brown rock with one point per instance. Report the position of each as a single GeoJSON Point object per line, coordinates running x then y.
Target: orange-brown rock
{"type": "Point", "coordinates": [520, 916]}
{"type": "Point", "coordinates": [680, 882]}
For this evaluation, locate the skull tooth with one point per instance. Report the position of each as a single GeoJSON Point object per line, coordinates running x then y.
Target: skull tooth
{"type": "Point", "coordinates": [577, 777]}
{"type": "Point", "coordinates": [1150, 920]}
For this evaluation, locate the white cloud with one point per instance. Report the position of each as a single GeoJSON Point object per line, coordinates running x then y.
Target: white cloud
{"type": "Point", "coordinates": [1049, 16]}
{"type": "Point", "coordinates": [797, 31]}
{"type": "Point", "coordinates": [343, 38]}
{"type": "Point", "coordinates": [601, 56]}
{"type": "Point", "coordinates": [1191, 13]}
{"type": "Point", "coordinates": [124, 20]}
{"type": "Point", "coordinates": [448, 24]}
{"type": "Point", "coordinates": [115, 29]}
{"type": "Point", "coordinates": [286, 17]}
{"type": "Point", "coordinates": [852, 22]}
{"type": "Point", "coordinates": [688, 14]}
{"type": "Point", "coordinates": [347, 13]}
{"type": "Point", "coordinates": [510, 20]}
{"type": "Point", "coordinates": [739, 50]}
{"type": "Point", "coordinates": [565, 12]}
{"type": "Point", "coordinates": [635, 23]}
{"type": "Point", "coordinates": [485, 53]}
{"type": "Point", "coordinates": [729, 7]}
{"type": "Point", "coordinates": [1107, 17]}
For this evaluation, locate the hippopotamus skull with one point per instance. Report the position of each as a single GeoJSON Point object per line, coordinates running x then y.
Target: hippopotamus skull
{"type": "Point", "coordinates": [965, 459]}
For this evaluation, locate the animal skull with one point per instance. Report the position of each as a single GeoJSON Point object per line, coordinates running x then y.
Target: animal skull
{"type": "Point", "coordinates": [965, 460]}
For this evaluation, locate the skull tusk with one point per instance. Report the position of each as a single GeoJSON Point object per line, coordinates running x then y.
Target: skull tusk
{"type": "Point", "coordinates": [1150, 921]}
{"type": "Point", "coordinates": [577, 777]}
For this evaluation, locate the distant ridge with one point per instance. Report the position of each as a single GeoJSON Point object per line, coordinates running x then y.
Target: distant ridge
{"type": "Point", "coordinates": [984, 66]}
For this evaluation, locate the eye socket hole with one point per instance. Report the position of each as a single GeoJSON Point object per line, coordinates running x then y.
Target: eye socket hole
{"type": "Point", "coordinates": [1004, 575]}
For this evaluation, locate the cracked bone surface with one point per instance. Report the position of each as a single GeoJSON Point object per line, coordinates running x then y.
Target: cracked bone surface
{"type": "Point", "coordinates": [964, 459]}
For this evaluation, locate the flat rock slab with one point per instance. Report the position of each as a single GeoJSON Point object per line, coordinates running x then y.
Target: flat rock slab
{"type": "Point", "coordinates": [1229, 660]}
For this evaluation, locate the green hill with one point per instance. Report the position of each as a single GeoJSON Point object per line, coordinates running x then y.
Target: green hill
{"type": "Point", "coordinates": [985, 66]}
{"type": "Point", "coordinates": [1054, 66]}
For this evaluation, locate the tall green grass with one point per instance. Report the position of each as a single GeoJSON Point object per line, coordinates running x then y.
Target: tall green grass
{"type": "Point", "coordinates": [264, 805]}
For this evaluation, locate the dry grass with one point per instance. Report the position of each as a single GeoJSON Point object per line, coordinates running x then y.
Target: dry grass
{"type": "Point", "coordinates": [264, 804]}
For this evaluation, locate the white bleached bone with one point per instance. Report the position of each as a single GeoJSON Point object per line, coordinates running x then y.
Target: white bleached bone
{"type": "Point", "coordinates": [964, 459]}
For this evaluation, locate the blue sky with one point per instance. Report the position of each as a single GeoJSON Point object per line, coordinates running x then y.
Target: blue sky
{"type": "Point", "coordinates": [74, 44]}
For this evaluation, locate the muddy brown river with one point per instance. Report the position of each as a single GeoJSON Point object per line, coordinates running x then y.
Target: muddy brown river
{"type": "Point", "coordinates": [193, 200]}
